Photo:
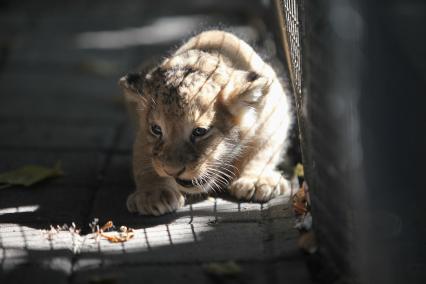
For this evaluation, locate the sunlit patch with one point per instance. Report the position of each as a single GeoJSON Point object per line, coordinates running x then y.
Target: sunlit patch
{"type": "Point", "coordinates": [19, 209]}
{"type": "Point", "coordinates": [162, 30]}
{"type": "Point", "coordinates": [193, 231]}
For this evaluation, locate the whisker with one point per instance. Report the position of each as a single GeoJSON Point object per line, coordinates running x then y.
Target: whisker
{"type": "Point", "coordinates": [228, 174]}
{"type": "Point", "coordinates": [224, 166]}
{"type": "Point", "coordinates": [217, 174]}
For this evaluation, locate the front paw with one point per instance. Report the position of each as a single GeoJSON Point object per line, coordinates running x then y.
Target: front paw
{"type": "Point", "coordinates": [259, 189]}
{"type": "Point", "coordinates": [156, 202]}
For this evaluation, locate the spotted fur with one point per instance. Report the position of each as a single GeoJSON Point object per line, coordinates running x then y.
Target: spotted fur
{"type": "Point", "coordinates": [217, 85]}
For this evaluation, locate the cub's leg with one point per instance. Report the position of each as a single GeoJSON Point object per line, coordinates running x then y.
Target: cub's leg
{"type": "Point", "coordinates": [259, 181]}
{"type": "Point", "coordinates": [154, 195]}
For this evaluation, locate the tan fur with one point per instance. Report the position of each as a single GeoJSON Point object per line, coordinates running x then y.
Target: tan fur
{"type": "Point", "coordinates": [214, 81]}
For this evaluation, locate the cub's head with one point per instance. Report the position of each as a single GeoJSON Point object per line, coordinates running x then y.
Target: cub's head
{"type": "Point", "coordinates": [195, 114]}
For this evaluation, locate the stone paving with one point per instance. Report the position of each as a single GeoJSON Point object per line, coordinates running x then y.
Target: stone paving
{"type": "Point", "coordinates": [59, 101]}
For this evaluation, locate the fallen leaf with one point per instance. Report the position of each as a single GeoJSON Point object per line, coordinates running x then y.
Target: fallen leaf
{"type": "Point", "coordinates": [229, 268]}
{"type": "Point", "coordinates": [121, 238]}
{"type": "Point", "coordinates": [300, 204]}
{"type": "Point", "coordinates": [299, 209]}
{"type": "Point", "coordinates": [299, 171]}
{"type": "Point", "coordinates": [124, 235]}
{"type": "Point", "coordinates": [307, 242]}
{"type": "Point", "coordinates": [302, 209]}
{"type": "Point", "coordinates": [304, 222]}
{"type": "Point", "coordinates": [108, 225]}
{"type": "Point", "coordinates": [103, 280]}
{"type": "Point", "coordinates": [29, 175]}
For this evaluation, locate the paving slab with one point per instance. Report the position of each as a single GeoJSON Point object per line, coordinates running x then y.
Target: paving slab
{"type": "Point", "coordinates": [110, 204]}
{"type": "Point", "coordinates": [181, 273]}
{"type": "Point", "coordinates": [125, 143]}
{"type": "Point", "coordinates": [16, 237]}
{"type": "Point", "coordinates": [47, 272]}
{"type": "Point", "coordinates": [177, 243]}
{"type": "Point", "coordinates": [79, 167]}
{"type": "Point", "coordinates": [33, 52]}
{"type": "Point", "coordinates": [225, 229]}
{"type": "Point", "coordinates": [27, 254]}
{"type": "Point", "coordinates": [45, 204]}
{"type": "Point", "coordinates": [119, 172]}
{"type": "Point", "coordinates": [43, 135]}
{"type": "Point", "coordinates": [47, 95]}
{"type": "Point", "coordinates": [59, 200]}
{"type": "Point", "coordinates": [60, 102]}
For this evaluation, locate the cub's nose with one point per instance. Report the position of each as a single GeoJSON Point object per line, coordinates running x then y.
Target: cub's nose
{"type": "Point", "coordinates": [173, 172]}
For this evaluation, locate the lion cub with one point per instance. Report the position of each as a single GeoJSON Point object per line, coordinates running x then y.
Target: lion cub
{"type": "Point", "coordinates": [212, 116]}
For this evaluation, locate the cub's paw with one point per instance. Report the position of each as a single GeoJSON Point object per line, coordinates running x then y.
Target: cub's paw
{"type": "Point", "coordinates": [157, 202]}
{"type": "Point", "coordinates": [259, 189]}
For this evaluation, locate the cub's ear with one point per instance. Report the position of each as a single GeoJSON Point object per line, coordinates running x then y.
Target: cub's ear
{"type": "Point", "coordinates": [132, 85]}
{"type": "Point", "coordinates": [245, 89]}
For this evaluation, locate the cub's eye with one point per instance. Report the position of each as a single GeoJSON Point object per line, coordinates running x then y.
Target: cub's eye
{"type": "Point", "coordinates": [199, 131]}
{"type": "Point", "coordinates": [156, 130]}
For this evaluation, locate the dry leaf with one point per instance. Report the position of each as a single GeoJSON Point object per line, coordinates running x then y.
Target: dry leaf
{"type": "Point", "coordinates": [302, 208]}
{"type": "Point", "coordinates": [300, 202]}
{"type": "Point", "coordinates": [304, 222]}
{"type": "Point", "coordinates": [307, 242]}
{"type": "Point", "coordinates": [299, 171]}
{"type": "Point", "coordinates": [103, 280]}
{"type": "Point", "coordinates": [124, 235]}
{"type": "Point", "coordinates": [29, 175]}
{"type": "Point", "coordinates": [229, 268]}
{"type": "Point", "coordinates": [108, 225]}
